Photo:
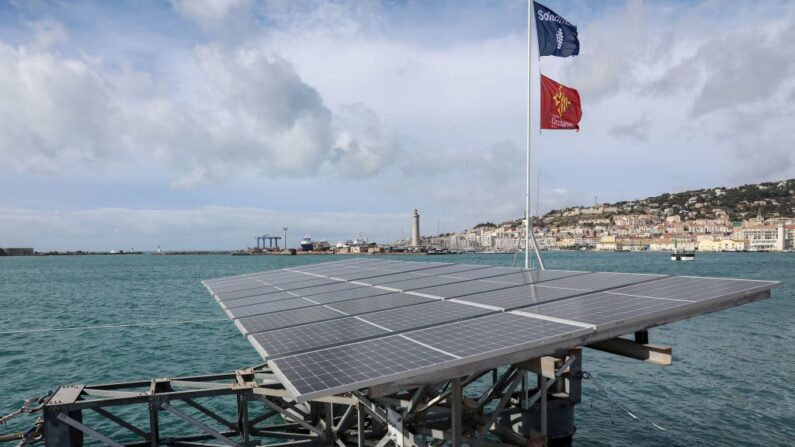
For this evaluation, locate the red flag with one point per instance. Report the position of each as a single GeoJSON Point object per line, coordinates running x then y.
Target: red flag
{"type": "Point", "coordinates": [560, 106]}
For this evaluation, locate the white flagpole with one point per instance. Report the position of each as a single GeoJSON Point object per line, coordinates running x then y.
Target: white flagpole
{"type": "Point", "coordinates": [528, 225]}
{"type": "Point", "coordinates": [528, 229]}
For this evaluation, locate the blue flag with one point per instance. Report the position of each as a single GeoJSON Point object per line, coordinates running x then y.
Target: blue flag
{"type": "Point", "coordinates": [556, 36]}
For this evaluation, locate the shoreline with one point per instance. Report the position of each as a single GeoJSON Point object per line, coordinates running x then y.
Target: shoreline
{"type": "Point", "coordinates": [327, 253]}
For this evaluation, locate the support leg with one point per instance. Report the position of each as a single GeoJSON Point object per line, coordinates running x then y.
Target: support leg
{"type": "Point", "coordinates": [359, 425]}
{"type": "Point", "coordinates": [456, 398]}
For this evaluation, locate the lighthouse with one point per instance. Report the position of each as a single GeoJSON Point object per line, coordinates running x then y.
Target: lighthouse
{"type": "Point", "coordinates": [415, 229]}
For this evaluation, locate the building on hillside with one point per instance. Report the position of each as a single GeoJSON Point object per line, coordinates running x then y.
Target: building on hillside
{"type": "Point", "coordinates": [723, 245]}
{"type": "Point", "coordinates": [760, 237]}
{"type": "Point", "coordinates": [609, 243]}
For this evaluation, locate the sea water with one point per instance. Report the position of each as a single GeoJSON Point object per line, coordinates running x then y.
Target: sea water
{"type": "Point", "coordinates": [76, 319]}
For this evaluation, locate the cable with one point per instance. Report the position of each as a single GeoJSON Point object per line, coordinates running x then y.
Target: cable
{"type": "Point", "coordinates": [110, 326]}
{"type": "Point", "coordinates": [673, 437]}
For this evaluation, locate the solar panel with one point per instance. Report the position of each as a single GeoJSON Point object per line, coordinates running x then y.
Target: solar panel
{"type": "Point", "coordinates": [376, 303]}
{"type": "Point", "coordinates": [461, 288]}
{"type": "Point", "coordinates": [412, 266]}
{"type": "Point", "coordinates": [273, 274]}
{"type": "Point", "coordinates": [348, 294]}
{"type": "Point", "coordinates": [420, 283]}
{"type": "Point", "coordinates": [360, 274]}
{"type": "Point", "coordinates": [328, 271]}
{"type": "Point", "coordinates": [694, 289]}
{"type": "Point", "coordinates": [248, 285]}
{"type": "Point", "coordinates": [358, 364]}
{"type": "Point", "coordinates": [392, 277]}
{"type": "Point", "coordinates": [256, 299]}
{"type": "Point", "coordinates": [333, 264]}
{"type": "Point", "coordinates": [341, 336]}
{"type": "Point", "coordinates": [286, 318]}
{"type": "Point", "coordinates": [284, 277]}
{"type": "Point", "coordinates": [422, 315]}
{"type": "Point", "coordinates": [453, 268]}
{"type": "Point", "coordinates": [265, 308]}
{"type": "Point", "coordinates": [326, 288]}
{"type": "Point", "coordinates": [602, 308]}
{"type": "Point", "coordinates": [601, 281]}
{"type": "Point", "coordinates": [483, 273]}
{"type": "Point", "coordinates": [489, 334]}
{"type": "Point", "coordinates": [305, 282]}
{"type": "Point", "coordinates": [532, 276]}
{"type": "Point", "coordinates": [517, 296]}
{"type": "Point", "coordinates": [225, 296]}
{"type": "Point", "coordinates": [313, 336]}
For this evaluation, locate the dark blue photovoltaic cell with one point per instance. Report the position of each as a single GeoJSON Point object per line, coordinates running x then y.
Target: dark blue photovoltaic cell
{"type": "Point", "coordinates": [376, 303]}
{"type": "Point", "coordinates": [266, 308]}
{"type": "Point", "coordinates": [489, 333]}
{"type": "Point", "coordinates": [315, 336]}
{"type": "Point", "coordinates": [601, 281]}
{"type": "Point", "coordinates": [603, 307]}
{"type": "Point", "coordinates": [344, 287]}
{"type": "Point", "coordinates": [257, 299]}
{"type": "Point", "coordinates": [355, 363]}
{"type": "Point", "coordinates": [532, 276]}
{"type": "Point", "coordinates": [422, 315]}
{"type": "Point", "coordinates": [226, 296]}
{"type": "Point", "coordinates": [346, 295]}
{"type": "Point", "coordinates": [695, 289]}
{"type": "Point", "coordinates": [287, 318]}
{"type": "Point", "coordinates": [461, 288]}
{"type": "Point", "coordinates": [420, 283]}
{"type": "Point", "coordinates": [518, 296]}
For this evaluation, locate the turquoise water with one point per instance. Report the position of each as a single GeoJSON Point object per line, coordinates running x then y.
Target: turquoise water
{"type": "Point", "coordinates": [731, 382]}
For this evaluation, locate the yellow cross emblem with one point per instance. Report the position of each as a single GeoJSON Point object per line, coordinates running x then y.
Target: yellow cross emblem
{"type": "Point", "coordinates": [561, 101]}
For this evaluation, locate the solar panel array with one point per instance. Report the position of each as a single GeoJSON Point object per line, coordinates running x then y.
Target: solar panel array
{"type": "Point", "coordinates": [339, 326]}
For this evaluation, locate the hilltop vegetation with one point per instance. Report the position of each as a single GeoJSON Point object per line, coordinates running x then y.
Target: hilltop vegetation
{"type": "Point", "coordinates": [769, 200]}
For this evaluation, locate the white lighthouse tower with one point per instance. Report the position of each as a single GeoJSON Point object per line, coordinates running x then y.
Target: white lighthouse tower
{"type": "Point", "coordinates": [415, 229]}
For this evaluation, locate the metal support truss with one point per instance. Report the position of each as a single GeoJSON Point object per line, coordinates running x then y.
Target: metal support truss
{"type": "Point", "coordinates": [250, 407]}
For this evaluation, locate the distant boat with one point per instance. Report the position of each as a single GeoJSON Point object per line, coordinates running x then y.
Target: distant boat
{"type": "Point", "coordinates": [307, 244]}
{"type": "Point", "coordinates": [683, 256]}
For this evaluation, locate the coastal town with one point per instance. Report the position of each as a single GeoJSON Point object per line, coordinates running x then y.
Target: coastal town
{"type": "Point", "coordinates": [757, 217]}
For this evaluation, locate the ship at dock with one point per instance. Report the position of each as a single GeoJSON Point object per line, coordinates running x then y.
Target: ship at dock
{"type": "Point", "coordinates": [306, 243]}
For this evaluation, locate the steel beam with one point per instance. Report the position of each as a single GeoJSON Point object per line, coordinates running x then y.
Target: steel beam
{"type": "Point", "coordinates": [110, 416]}
{"type": "Point", "coordinates": [88, 430]}
{"type": "Point", "coordinates": [196, 423]}
{"type": "Point", "coordinates": [506, 396]}
{"type": "Point", "coordinates": [649, 353]}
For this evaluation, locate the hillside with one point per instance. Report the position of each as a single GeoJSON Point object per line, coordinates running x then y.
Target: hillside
{"type": "Point", "coordinates": [769, 199]}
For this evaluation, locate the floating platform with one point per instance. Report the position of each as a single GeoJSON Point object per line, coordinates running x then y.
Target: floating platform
{"type": "Point", "coordinates": [342, 326]}
{"type": "Point", "coordinates": [369, 352]}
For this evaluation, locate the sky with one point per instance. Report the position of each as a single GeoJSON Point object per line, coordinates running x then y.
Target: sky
{"type": "Point", "coordinates": [200, 124]}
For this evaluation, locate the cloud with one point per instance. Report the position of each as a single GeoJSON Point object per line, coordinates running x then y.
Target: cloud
{"type": "Point", "coordinates": [363, 144]}
{"type": "Point", "coordinates": [247, 113]}
{"type": "Point", "coordinates": [638, 131]}
{"type": "Point", "coordinates": [55, 110]}
{"type": "Point", "coordinates": [46, 33]}
{"type": "Point", "coordinates": [612, 47]}
{"type": "Point", "coordinates": [752, 71]}
{"type": "Point", "coordinates": [211, 13]}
